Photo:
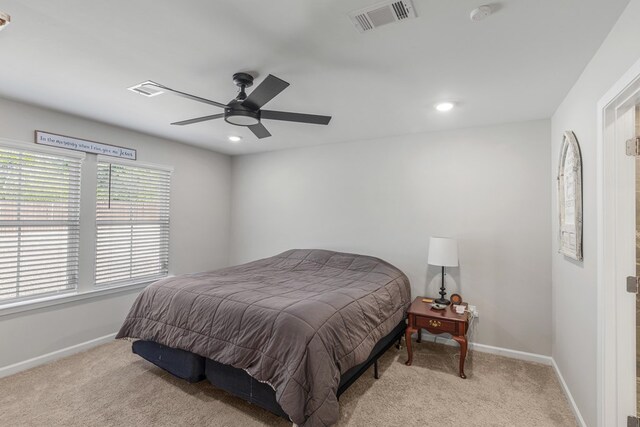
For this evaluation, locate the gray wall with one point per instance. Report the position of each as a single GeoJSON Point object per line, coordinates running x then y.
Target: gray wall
{"type": "Point", "coordinates": [488, 187]}
{"type": "Point", "coordinates": [200, 208]}
{"type": "Point", "coordinates": [574, 283]}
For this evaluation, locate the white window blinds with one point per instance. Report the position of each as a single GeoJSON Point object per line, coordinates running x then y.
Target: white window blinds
{"type": "Point", "coordinates": [132, 219]}
{"type": "Point", "coordinates": [39, 223]}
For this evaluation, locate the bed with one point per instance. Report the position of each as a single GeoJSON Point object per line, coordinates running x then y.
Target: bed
{"type": "Point", "coordinates": [289, 332]}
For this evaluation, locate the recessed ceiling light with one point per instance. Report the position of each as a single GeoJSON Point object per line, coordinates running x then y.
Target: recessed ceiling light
{"type": "Point", "coordinates": [235, 138]}
{"type": "Point", "coordinates": [5, 20]}
{"type": "Point", "coordinates": [445, 106]}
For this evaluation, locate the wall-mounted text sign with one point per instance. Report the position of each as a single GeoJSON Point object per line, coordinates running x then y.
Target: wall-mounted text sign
{"type": "Point", "coordinates": [76, 144]}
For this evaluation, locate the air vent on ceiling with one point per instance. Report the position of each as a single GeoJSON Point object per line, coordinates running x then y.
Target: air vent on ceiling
{"type": "Point", "coordinates": [147, 88]}
{"type": "Point", "coordinates": [382, 14]}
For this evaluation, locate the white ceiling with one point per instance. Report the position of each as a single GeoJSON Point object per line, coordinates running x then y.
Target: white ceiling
{"type": "Point", "coordinates": [79, 56]}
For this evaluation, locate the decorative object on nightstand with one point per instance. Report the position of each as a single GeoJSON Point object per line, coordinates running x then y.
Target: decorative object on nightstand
{"type": "Point", "coordinates": [437, 306]}
{"type": "Point", "coordinates": [447, 321]}
{"type": "Point", "coordinates": [443, 252]}
{"type": "Point", "coordinates": [456, 299]}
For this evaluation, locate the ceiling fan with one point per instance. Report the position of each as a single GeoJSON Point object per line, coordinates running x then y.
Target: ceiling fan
{"type": "Point", "coordinates": [243, 110]}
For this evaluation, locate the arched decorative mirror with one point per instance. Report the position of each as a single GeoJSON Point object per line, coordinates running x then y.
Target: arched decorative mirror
{"type": "Point", "coordinates": [570, 197]}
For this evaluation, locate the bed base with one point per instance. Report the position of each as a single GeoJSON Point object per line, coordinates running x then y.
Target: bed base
{"type": "Point", "coordinates": [349, 377]}
{"type": "Point", "coordinates": [193, 368]}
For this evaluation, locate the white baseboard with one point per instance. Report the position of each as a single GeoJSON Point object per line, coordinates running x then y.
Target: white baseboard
{"type": "Point", "coordinates": [567, 392]}
{"type": "Point", "coordinates": [484, 348]}
{"type": "Point", "coordinates": [522, 355]}
{"type": "Point", "coordinates": [54, 355]}
{"type": "Point", "coordinates": [513, 354]}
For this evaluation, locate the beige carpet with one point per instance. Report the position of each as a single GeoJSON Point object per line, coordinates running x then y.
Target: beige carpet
{"type": "Point", "coordinates": [109, 386]}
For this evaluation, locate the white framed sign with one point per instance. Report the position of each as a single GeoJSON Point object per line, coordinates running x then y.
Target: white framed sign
{"type": "Point", "coordinates": [570, 197]}
{"type": "Point", "coordinates": [70, 143]}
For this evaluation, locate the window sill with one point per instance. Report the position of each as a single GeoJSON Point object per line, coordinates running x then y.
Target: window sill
{"type": "Point", "coordinates": [64, 298]}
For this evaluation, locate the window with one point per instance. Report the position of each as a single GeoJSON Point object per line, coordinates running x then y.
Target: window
{"type": "Point", "coordinates": [39, 222]}
{"type": "Point", "coordinates": [132, 218]}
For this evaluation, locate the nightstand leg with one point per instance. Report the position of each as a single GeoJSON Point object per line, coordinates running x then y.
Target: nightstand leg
{"type": "Point", "coordinates": [463, 353]}
{"type": "Point", "coordinates": [375, 369]}
{"type": "Point", "coordinates": [407, 338]}
{"type": "Point", "coordinates": [419, 335]}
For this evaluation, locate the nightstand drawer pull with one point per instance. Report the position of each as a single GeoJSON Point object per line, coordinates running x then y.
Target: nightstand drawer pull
{"type": "Point", "coordinates": [439, 326]}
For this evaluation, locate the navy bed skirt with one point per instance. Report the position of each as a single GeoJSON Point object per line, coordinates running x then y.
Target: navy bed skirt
{"type": "Point", "coordinates": [193, 368]}
{"type": "Point", "coordinates": [182, 364]}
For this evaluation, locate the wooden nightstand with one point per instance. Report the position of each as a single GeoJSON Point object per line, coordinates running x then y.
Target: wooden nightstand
{"type": "Point", "coordinates": [447, 321]}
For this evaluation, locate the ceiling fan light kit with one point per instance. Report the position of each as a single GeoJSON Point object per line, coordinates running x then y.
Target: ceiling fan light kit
{"type": "Point", "coordinates": [239, 116]}
{"type": "Point", "coordinates": [244, 110]}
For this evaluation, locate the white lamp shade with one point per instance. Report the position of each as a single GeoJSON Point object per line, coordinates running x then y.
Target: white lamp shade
{"type": "Point", "coordinates": [443, 252]}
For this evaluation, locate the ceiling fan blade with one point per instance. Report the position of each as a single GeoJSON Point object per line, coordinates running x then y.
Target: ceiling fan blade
{"type": "Point", "coordinates": [186, 95]}
{"type": "Point", "coordinates": [265, 92]}
{"type": "Point", "coordinates": [295, 117]}
{"type": "Point", "coordinates": [260, 131]}
{"type": "Point", "coordinates": [199, 119]}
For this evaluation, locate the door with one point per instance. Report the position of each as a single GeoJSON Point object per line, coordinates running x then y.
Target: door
{"type": "Point", "coordinates": [627, 127]}
{"type": "Point", "coordinates": [628, 225]}
{"type": "Point", "coordinates": [618, 252]}
{"type": "Point", "coordinates": [626, 257]}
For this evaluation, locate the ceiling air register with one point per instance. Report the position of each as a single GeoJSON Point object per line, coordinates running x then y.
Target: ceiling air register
{"type": "Point", "coordinates": [381, 14]}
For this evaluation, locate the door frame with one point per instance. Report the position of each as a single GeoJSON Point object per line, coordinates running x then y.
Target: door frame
{"type": "Point", "coordinates": [615, 196]}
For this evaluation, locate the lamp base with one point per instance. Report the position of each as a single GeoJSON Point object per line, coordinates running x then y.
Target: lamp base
{"type": "Point", "coordinates": [443, 292]}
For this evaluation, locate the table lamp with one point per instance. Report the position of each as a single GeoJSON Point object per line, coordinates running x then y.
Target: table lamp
{"type": "Point", "coordinates": [443, 252]}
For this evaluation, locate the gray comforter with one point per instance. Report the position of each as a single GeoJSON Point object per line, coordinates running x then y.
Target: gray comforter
{"type": "Point", "coordinates": [296, 321]}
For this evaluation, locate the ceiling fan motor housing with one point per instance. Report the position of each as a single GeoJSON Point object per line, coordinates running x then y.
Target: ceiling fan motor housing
{"type": "Point", "coordinates": [237, 114]}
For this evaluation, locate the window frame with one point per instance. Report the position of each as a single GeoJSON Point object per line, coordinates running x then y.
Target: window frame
{"type": "Point", "coordinates": [80, 157]}
{"type": "Point", "coordinates": [137, 164]}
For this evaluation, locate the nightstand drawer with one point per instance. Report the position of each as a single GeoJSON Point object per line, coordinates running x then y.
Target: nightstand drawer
{"type": "Point", "coordinates": [437, 324]}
